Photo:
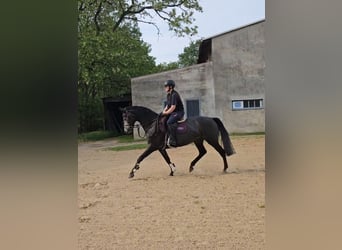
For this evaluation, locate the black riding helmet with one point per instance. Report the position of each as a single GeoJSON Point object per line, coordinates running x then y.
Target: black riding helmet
{"type": "Point", "coordinates": [170, 83]}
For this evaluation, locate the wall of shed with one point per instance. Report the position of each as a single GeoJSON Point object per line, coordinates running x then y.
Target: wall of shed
{"type": "Point", "coordinates": [238, 71]}
{"type": "Point", "coordinates": [194, 82]}
{"type": "Point", "coordinates": [235, 72]}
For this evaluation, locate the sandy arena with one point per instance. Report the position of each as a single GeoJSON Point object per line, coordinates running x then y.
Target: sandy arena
{"type": "Point", "coordinates": [205, 209]}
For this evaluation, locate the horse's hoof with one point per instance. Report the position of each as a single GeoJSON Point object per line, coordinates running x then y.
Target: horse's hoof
{"type": "Point", "coordinates": [131, 175]}
{"type": "Point", "coordinates": [191, 169]}
{"type": "Point", "coordinates": [171, 174]}
{"type": "Point", "coordinates": [225, 171]}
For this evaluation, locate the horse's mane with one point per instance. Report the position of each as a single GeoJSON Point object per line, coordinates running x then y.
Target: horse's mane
{"type": "Point", "coordinates": [141, 109]}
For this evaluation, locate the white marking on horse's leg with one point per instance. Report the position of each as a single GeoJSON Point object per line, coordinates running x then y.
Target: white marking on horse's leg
{"type": "Point", "coordinates": [136, 167]}
{"type": "Point", "coordinates": [172, 167]}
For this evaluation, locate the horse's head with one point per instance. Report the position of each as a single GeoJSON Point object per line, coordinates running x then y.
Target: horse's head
{"type": "Point", "coordinates": [141, 114]}
{"type": "Point", "coordinates": [129, 119]}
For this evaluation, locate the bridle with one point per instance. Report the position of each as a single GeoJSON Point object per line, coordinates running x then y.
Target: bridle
{"type": "Point", "coordinates": [138, 126]}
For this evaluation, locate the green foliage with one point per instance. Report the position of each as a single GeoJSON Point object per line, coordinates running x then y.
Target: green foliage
{"type": "Point", "coordinates": [190, 54]}
{"type": "Point", "coordinates": [110, 15]}
{"type": "Point", "coordinates": [107, 61]}
{"type": "Point", "coordinates": [111, 50]}
{"type": "Point", "coordinates": [166, 66]}
{"type": "Point", "coordinates": [96, 136]}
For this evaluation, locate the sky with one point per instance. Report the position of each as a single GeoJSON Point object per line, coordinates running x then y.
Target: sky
{"type": "Point", "coordinates": [218, 16]}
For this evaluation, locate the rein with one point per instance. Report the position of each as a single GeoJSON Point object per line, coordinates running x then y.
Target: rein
{"type": "Point", "coordinates": [142, 125]}
{"type": "Point", "coordinates": [138, 128]}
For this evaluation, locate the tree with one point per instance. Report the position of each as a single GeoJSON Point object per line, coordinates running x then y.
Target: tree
{"type": "Point", "coordinates": [107, 61]}
{"type": "Point", "coordinates": [190, 54]}
{"type": "Point", "coordinates": [111, 14]}
{"type": "Point", "coordinates": [166, 66]}
{"type": "Point", "coordinates": [111, 50]}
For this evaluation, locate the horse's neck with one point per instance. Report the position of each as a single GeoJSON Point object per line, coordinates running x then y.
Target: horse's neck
{"type": "Point", "coordinates": [146, 119]}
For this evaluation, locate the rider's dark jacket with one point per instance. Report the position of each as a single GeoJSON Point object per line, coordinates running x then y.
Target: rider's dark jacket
{"type": "Point", "coordinates": [173, 98]}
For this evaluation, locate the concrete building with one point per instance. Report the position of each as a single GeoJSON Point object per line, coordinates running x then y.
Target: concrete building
{"type": "Point", "coordinates": [227, 82]}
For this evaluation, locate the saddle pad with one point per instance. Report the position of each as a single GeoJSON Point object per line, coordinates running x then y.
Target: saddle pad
{"type": "Point", "coordinates": [182, 128]}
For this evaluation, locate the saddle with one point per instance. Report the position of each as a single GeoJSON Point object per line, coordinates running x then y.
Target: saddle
{"type": "Point", "coordinates": [162, 127]}
{"type": "Point", "coordinates": [181, 125]}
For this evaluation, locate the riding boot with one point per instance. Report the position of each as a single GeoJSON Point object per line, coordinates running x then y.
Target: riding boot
{"type": "Point", "coordinates": [172, 129]}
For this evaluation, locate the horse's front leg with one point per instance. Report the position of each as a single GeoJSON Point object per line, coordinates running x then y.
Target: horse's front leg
{"type": "Point", "coordinates": [134, 169]}
{"type": "Point", "coordinates": [146, 153]}
{"type": "Point", "coordinates": [167, 159]}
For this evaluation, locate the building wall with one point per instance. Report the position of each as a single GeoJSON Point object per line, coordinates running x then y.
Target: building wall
{"type": "Point", "coordinates": [238, 70]}
{"type": "Point", "coordinates": [235, 72]}
{"type": "Point", "coordinates": [194, 82]}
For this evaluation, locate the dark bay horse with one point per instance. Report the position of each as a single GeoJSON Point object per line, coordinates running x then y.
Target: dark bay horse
{"type": "Point", "coordinates": [195, 129]}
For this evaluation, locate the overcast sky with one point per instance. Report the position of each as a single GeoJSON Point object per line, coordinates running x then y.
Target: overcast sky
{"type": "Point", "coordinates": [217, 17]}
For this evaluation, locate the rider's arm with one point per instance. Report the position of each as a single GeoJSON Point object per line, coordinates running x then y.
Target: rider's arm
{"type": "Point", "coordinates": [168, 111]}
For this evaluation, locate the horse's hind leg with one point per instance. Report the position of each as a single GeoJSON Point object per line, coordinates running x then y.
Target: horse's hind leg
{"type": "Point", "coordinates": [167, 159]}
{"type": "Point", "coordinates": [221, 151]}
{"type": "Point", "coordinates": [201, 150]}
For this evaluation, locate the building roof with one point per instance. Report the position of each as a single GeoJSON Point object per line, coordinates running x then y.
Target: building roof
{"type": "Point", "coordinates": [234, 29]}
{"type": "Point", "coordinates": [204, 53]}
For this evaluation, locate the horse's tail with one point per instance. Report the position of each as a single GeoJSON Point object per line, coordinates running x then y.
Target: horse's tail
{"type": "Point", "coordinates": [227, 144]}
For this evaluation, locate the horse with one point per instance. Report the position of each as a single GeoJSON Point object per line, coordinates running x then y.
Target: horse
{"type": "Point", "coordinates": [192, 130]}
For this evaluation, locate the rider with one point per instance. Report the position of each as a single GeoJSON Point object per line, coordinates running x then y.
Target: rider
{"type": "Point", "coordinates": [174, 109]}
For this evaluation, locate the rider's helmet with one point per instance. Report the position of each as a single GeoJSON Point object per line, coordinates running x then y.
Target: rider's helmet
{"type": "Point", "coordinates": [169, 83]}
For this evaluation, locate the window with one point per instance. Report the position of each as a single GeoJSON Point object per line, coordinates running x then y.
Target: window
{"type": "Point", "coordinates": [247, 104]}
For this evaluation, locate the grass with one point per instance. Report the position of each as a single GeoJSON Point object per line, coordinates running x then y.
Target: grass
{"type": "Point", "coordinates": [128, 147]}
{"type": "Point", "coordinates": [128, 139]}
{"type": "Point", "coordinates": [96, 135]}
{"type": "Point", "coordinates": [247, 134]}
